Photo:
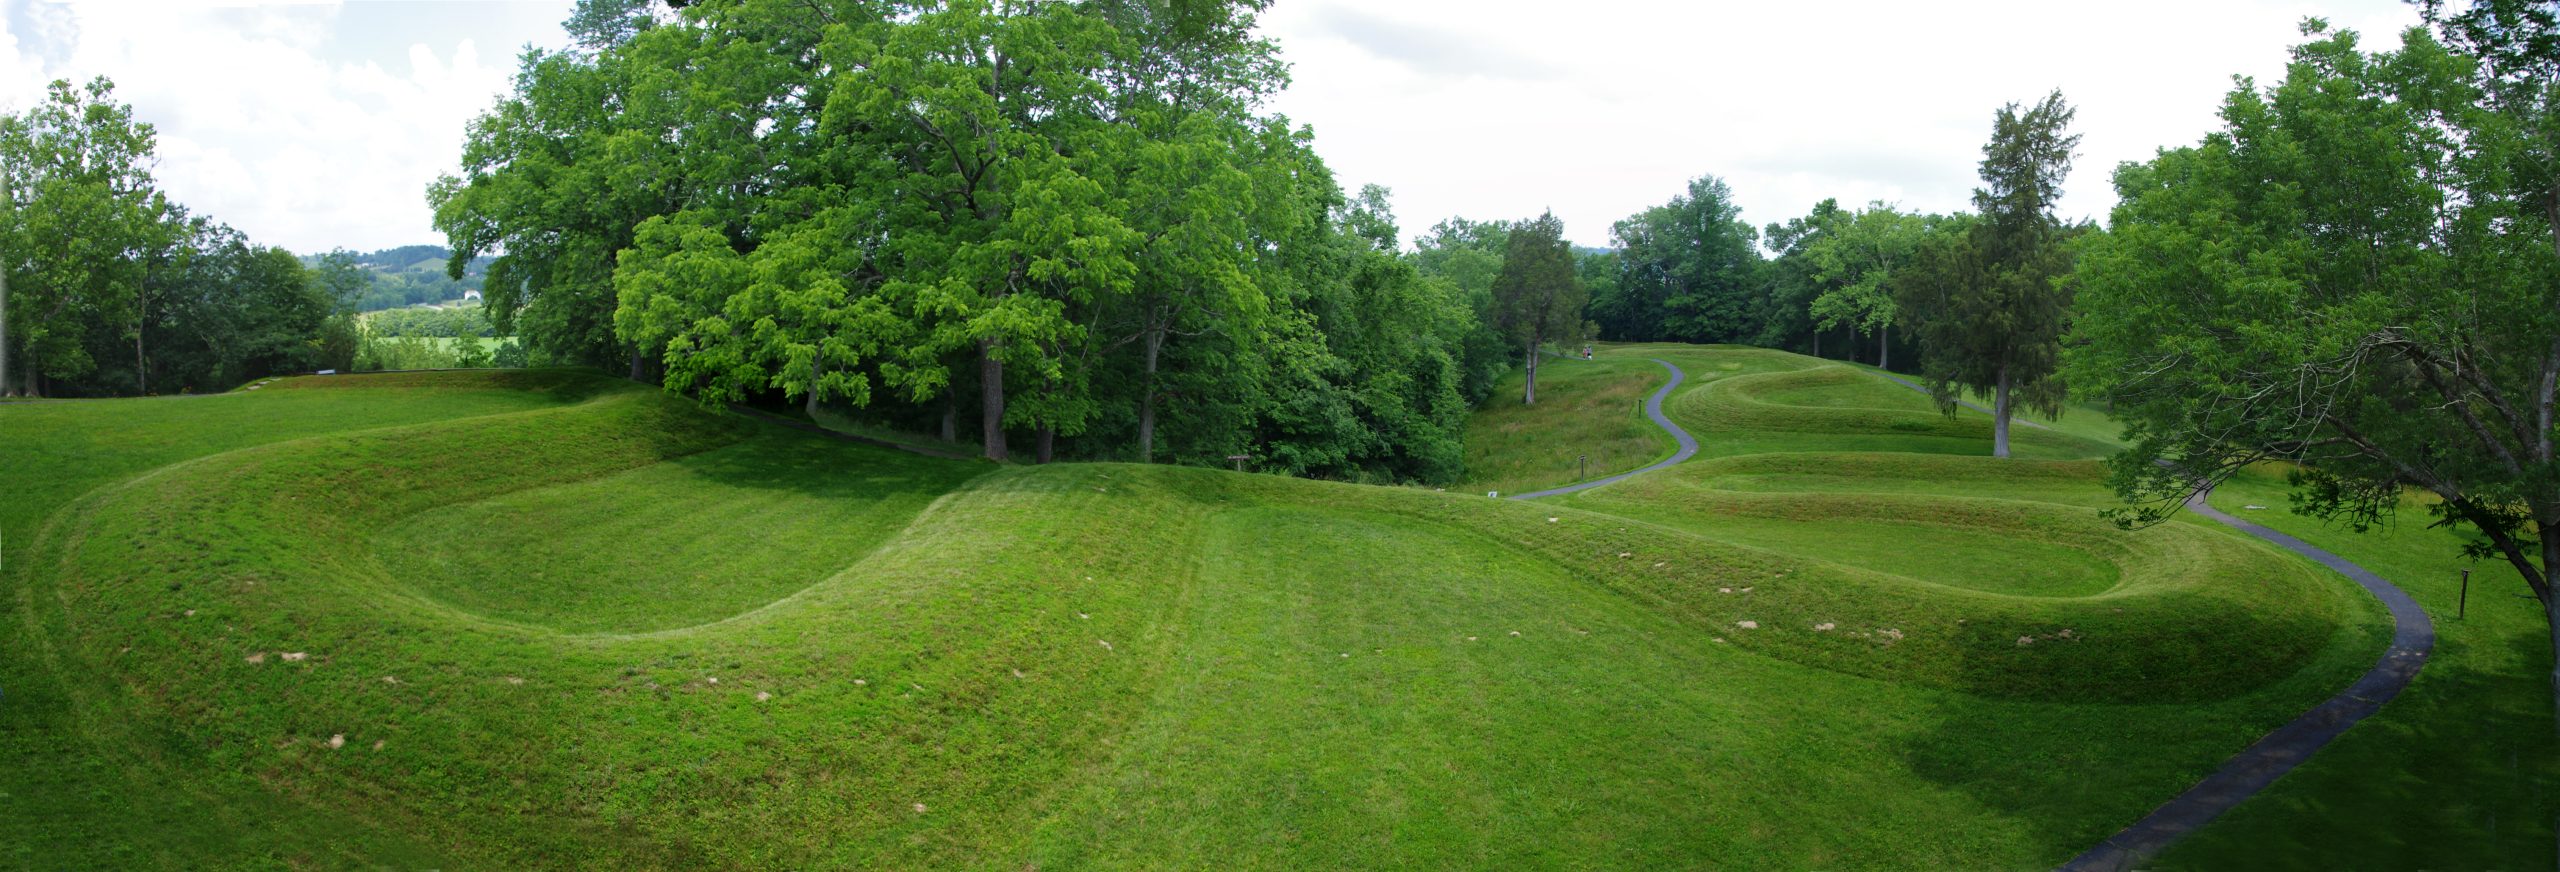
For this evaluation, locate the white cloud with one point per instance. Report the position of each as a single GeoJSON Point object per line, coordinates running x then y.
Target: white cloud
{"type": "Point", "coordinates": [321, 124]}
{"type": "Point", "coordinates": [272, 119]}
{"type": "Point", "coordinates": [1622, 102]}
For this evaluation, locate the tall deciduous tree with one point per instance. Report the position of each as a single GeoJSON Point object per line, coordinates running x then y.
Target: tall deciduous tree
{"type": "Point", "coordinates": [1791, 278]}
{"type": "Point", "coordinates": [2354, 275]}
{"type": "Point", "coordinates": [1990, 303]}
{"type": "Point", "coordinates": [1467, 255]}
{"type": "Point", "coordinates": [1854, 261]}
{"type": "Point", "coordinates": [86, 221]}
{"type": "Point", "coordinates": [1536, 298]}
{"type": "Point", "coordinates": [1690, 271]}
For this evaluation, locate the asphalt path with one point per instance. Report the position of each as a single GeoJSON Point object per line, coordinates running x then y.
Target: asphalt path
{"type": "Point", "coordinates": [1652, 409]}
{"type": "Point", "coordinates": [2413, 637]}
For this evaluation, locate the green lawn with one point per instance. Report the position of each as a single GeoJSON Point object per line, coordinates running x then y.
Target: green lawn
{"type": "Point", "coordinates": [2459, 772]}
{"type": "Point", "coordinates": [539, 619]}
{"type": "Point", "coordinates": [1586, 409]}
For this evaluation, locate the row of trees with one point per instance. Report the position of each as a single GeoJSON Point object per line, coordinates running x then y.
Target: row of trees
{"type": "Point", "coordinates": [1980, 294]}
{"type": "Point", "coordinates": [1073, 220]}
{"type": "Point", "coordinates": [108, 288]}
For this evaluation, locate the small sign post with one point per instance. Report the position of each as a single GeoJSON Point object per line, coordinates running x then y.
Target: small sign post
{"type": "Point", "coordinates": [1239, 459]}
{"type": "Point", "coordinates": [2462, 607]}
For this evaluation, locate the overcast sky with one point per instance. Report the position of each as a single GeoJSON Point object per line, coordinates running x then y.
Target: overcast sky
{"type": "Point", "coordinates": [313, 125]}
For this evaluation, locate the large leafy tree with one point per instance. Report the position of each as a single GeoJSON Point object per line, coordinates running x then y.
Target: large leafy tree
{"type": "Point", "coordinates": [1466, 255]}
{"type": "Point", "coordinates": [2354, 274]}
{"type": "Point", "coordinates": [1536, 298]}
{"type": "Point", "coordinates": [1990, 303]}
{"type": "Point", "coordinates": [1689, 271]}
{"type": "Point", "coordinates": [1853, 263]}
{"type": "Point", "coordinates": [1070, 210]}
{"type": "Point", "coordinates": [1792, 279]}
{"type": "Point", "coordinates": [226, 311]}
{"type": "Point", "coordinates": [83, 225]}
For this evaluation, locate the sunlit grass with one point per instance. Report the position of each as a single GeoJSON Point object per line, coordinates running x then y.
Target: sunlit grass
{"type": "Point", "coordinates": [589, 625]}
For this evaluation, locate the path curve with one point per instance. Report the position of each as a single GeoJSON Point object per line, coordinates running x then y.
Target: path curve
{"type": "Point", "coordinates": [1652, 409]}
{"type": "Point", "coordinates": [2413, 636]}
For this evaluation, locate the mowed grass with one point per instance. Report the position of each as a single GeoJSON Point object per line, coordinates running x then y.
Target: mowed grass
{"type": "Point", "coordinates": [2460, 771]}
{"type": "Point", "coordinates": [2457, 773]}
{"type": "Point", "coordinates": [616, 554]}
{"type": "Point", "coordinates": [593, 626]}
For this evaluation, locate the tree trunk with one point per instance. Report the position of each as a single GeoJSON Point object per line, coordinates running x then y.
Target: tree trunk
{"type": "Point", "coordinates": [2551, 609]}
{"type": "Point", "coordinates": [1529, 387]}
{"type": "Point", "coordinates": [991, 398]}
{"type": "Point", "coordinates": [1147, 400]}
{"type": "Point", "coordinates": [4, 328]}
{"type": "Point", "coordinates": [817, 370]}
{"type": "Point", "coordinates": [2000, 416]}
{"type": "Point", "coordinates": [635, 364]}
{"type": "Point", "coordinates": [950, 415]}
{"type": "Point", "coordinates": [1817, 342]}
{"type": "Point", "coordinates": [1046, 439]}
{"type": "Point", "coordinates": [1884, 348]}
{"type": "Point", "coordinates": [141, 365]}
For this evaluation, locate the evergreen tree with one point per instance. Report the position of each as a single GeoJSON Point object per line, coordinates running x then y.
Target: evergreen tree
{"type": "Point", "coordinates": [1989, 303]}
{"type": "Point", "coordinates": [1536, 298]}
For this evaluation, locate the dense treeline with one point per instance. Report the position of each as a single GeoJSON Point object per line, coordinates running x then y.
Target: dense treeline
{"type": "Point", "coordinates": [1071, 222]}
{"type": "Point", "coordinates": [108, 288]}
{"type": "Point", "coordinates": [449, 321]}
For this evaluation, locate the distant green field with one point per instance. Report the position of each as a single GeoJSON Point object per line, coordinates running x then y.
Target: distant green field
{"type": "Point", "coordinates": [535, 618]}
{"type": "Point", "coordinates": [457, 343]}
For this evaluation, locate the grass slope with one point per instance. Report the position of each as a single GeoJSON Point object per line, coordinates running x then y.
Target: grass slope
{"type": "Point", "coordinates": [534, 620]}
{"type": "Point", "coordinates": [2456, 773]}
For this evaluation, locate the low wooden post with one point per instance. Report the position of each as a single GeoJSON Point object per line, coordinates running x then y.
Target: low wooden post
{"type": "Point", "coordinates": [1586, 467]}
{"type": "Point", "coordinates": [2462, 607]}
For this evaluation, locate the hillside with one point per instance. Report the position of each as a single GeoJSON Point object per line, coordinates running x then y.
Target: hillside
{"type": "Point", "coordinates": [411, 275]}
{"type": "Point", "coordinates": [541, 618]}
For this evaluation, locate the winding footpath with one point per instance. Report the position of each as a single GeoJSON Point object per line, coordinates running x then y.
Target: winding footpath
{"type": "Point", "coordinates": [1652, 409]}
{"type": "Point", "coordinates": [2413, 635]}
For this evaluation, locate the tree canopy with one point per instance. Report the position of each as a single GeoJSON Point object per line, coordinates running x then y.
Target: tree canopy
{"type": "Point", "coordinates": [2353, 274]}
{"type": "Point", "coordinates": [1078, 214]}
{"type": "Point", "coordinates": [1990, 303]}
{"type": "Point", "coordinates": [107, 287]}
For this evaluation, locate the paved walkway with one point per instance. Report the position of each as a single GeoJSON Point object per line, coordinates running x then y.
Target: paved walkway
{"type": "Point", "coordinates": [1652, 409]}
{"type": "Point", "coordinates": [2413, 635]}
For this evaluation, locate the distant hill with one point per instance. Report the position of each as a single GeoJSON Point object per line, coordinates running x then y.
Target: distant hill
{"type": "Point", "coordinates": [412, 275]}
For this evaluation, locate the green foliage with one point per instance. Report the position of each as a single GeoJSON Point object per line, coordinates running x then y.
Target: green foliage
{"type": "Point", "coordinates": [1537, 299]}
{"type": "Point", "coordinates": [78, 182]}
{"type": "Point", "coordinates": [1466, 255]}
{"type": "Point", "coordinates": [106, 287]}
{"type": "Point", "coordinates": [1853, 261]}
{"type": "Point", "coordinates": [1990, 302]}
{"type": "Point", "coordinates": [446, 322]}
{"type": "Point", "coordinates": [1786, 313]}
{"type": "Point", "coordinates": [1072, 212]}
{"type": "Point", "coordinates": [1689, 271]}
{"type": "Point", "coordinates": [407, 275]}
{"type": "Point", "coordinates": [2347, 275]}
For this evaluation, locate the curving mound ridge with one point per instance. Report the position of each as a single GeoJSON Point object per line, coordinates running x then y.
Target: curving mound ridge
{"type": "Point", "coordinates": [620, 631]}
